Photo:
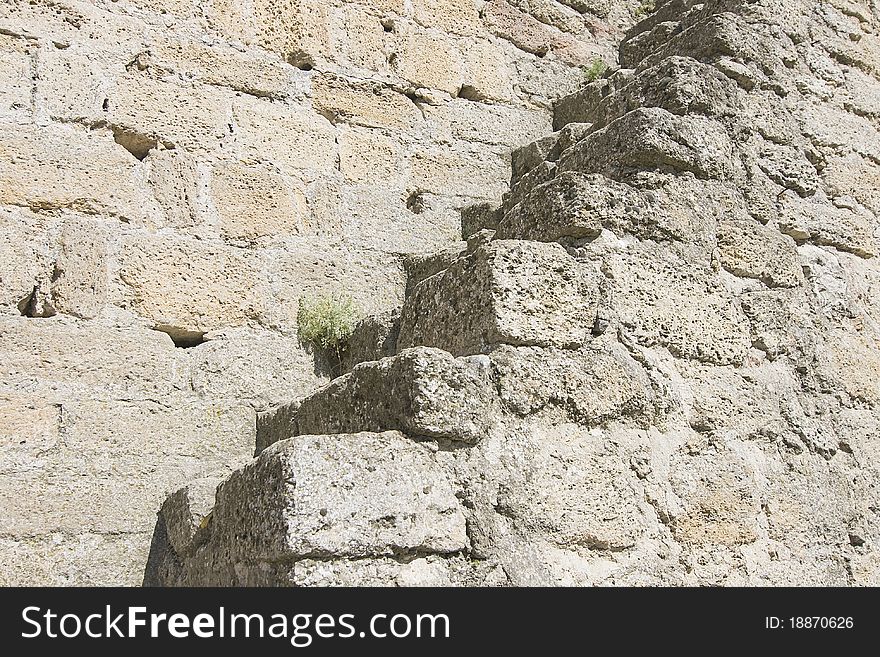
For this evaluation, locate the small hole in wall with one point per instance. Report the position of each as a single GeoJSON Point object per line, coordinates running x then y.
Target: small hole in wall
{"type": "Point", "coordinates": [106, 105]}
{"type": "Point", "coordinates": [387, 24]}
{"type": "Point", "coordinates": [468, 92]}
{"type": "Point", "coordinates": [415, 203]}
{"type": "Point", "coordinates": [135, 143]}
{"type": "Point", "coordinates": [302, 60]}
{"type": "Point", "coordinates": [181, 337]}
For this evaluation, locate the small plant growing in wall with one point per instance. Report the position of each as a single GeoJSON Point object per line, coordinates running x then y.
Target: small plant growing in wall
{"type": "Point", "coordinates": [327, 322]}
{"type": "Point", "coordinates": [647, 7]}
{"type": "Point", "coordinates": [595, 70]}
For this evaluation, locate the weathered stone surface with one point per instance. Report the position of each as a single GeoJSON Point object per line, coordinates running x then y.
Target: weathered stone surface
{"type": "Point", "coordinates": [751, 250]}
{"type": "Point", "coordinates": [423, 392]}
{"type": "Point", "coordinates": [520, 293]}
{"type": "Point", "coordinates": [80, 280]}
{"type": "Point", "coordinates": [186, 287]}
{"type": "Point", "coordinates": [255, 366]}
{"type": "Point", "coordinates": [664, 327]}
{"type": "Point", "coordinates": [106, 477]}
{"type": "Point", "coordinates": [87, 361]}
{"type": "Point", "coordinates": [654, 138]}
{"type": "Point", "coordinates": [255, 203]}
{"type": "Point", "coordinates": [298, 497]}
{"type": "Point", "coordinates": [25, 259]}
{"type": "Point", "coordinates": [65, 167]}
{"type": "Point", "coordinates": [589, 386]}
{"type": "Point", "coordinates": [665, 300]}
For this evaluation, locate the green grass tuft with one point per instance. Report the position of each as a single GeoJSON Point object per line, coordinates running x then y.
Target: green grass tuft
{"type": "Point", "coordinates": [327, 322]}
{"type": "Point", "coordinates": [595, 70]}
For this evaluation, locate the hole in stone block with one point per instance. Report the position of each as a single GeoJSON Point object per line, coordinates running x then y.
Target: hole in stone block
{"type": "Point", "coordinates": [302, 60]}
{"type": "Point", "coordinates": [137, 144]}
{"type": "Point", "coordinates": [181, 337]}
{"type": "Point", "coordinates": [415, 203]}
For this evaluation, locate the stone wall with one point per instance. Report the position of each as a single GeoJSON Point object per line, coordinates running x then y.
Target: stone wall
{"type": "Point", "coordinates": [655, 363]}
{"type": "Point", "coordinates": [175, 175]}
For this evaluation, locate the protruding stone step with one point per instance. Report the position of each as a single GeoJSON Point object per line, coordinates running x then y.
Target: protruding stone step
{"type": "Point", "coordinates": [423, 392]}
{"type": "Point", "coordinates": [532, 156]}
{"type": "Point", "coordinates": [652, 138]}
{"type": "Point", "coordinates": [319, 497]}
{"type": "Point", "coordinates": [575, 205]}
{"type": "Point", "coordinates": [506, 292]}
{"type": "Point", "coordinates": [680, 85]}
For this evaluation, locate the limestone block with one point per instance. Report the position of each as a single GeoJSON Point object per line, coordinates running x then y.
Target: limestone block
{"type": "Point", "coordinates": [107, 478]}
{"type": "Point", "coordinates": [292, 139]}
{"type": "Point", "coordinates": [187, 287]}
{"type": "Point", "coordinates": [788, 167]}
{"type": "Point", "coordinates": [389, 221]}
{"type": "Point", "coordinates": [256, 202]}
{"type": "Point", "coordinates": [80, 281]}
{"type": "Point", "coordinates": [652, 138]}
{"type": "Point", "coordinates": [363, 103]}
{"type": "Point", "coordinates": [25, 260]}
{"type": "Point", "coordinates": [29, 430]}
{"type": "Point", "coordinates": [665, 299]}
{"type": "Point", "coordinates": [291, 28]}
{"type": "Point", "coordinates": [489, 124]}
{"type": "Point", "coordinates": [589, 386]}
{"type": "Point", "coordinates": [252, 72]}
{"type": "Point", "coordinates": [320, 267]}
{"type": "Point", "coordinates": [370, 157]}
{"type": "Point", "coordinates": [257, 367]}
{"type": "Point", "coordinates": [15, 70]}
{"type": "Point", "coordinates": [459, 172]}
{"type": "Point", "coordinates": [848, 229]}
{"type": "Point", "coordinates": [74, 559]}
{"type": "Point", "coordinates": [430, 571]}
{"type": "Point", "coordinates": [715, 499]}
{"type": "Point", "coordinates": [576, 205]}
{"type": "Point", "coordinates": [752, 250]}
{"type": "Point", "coordinates": [488, 74]}
{"type": "Point", "coordinates": [421, 391]}
{"type": "Point", "coordinates": [176, 182]}
{"type": "Point", "coordinates": [429, 60]}
{"type": "Point", "coordinates": [87, 360]}
{"type": "Point", "coordinates": [373, 338]}
{"type": "Point", "coordinates": [454, 16]}
{"type": "Point", "coordinates": [508, 292]}
{"type": "Point", "coordinates": [65, 167]}
{"type": "Point", "coordinates": [75, 83]}
{"type": "Point", "coordinates": [351, 495]}
{"type": "Point", "coordinates": [358, 36]}
{"type": "Point", "coordinates": [187, 510]}
{"type": "Point", "coordinates": [195, 118]}
{"type": "Point", "coordinates": [576, 490]}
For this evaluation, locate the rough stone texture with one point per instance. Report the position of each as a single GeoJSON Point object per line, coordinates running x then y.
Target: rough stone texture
{"type": "Point", "coordinates": [195, 169]}
{"type": "Point", "coordinates": [654, 360]}
{"type": "Point", "coordinates": [666, 329]}
{"type": "Point", "coordinates": [512, 292]}
{"type": "Point", "coordinates": [426, 393]}
{"type": "Point", "coordinates": [353, 496]}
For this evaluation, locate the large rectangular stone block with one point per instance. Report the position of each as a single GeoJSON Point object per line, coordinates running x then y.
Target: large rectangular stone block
{"type": "Point", "coordinates": [508, 292]}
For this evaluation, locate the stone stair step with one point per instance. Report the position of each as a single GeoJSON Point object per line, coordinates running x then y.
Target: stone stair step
{"type": "Point", "coordinates": [342, 496]}
{"type": "Point", "coordinates": [423, 392]}
{"type": "Point", "coordinates": [652, 138]}
{"type": "Point", "coordinates": [505, 292]}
